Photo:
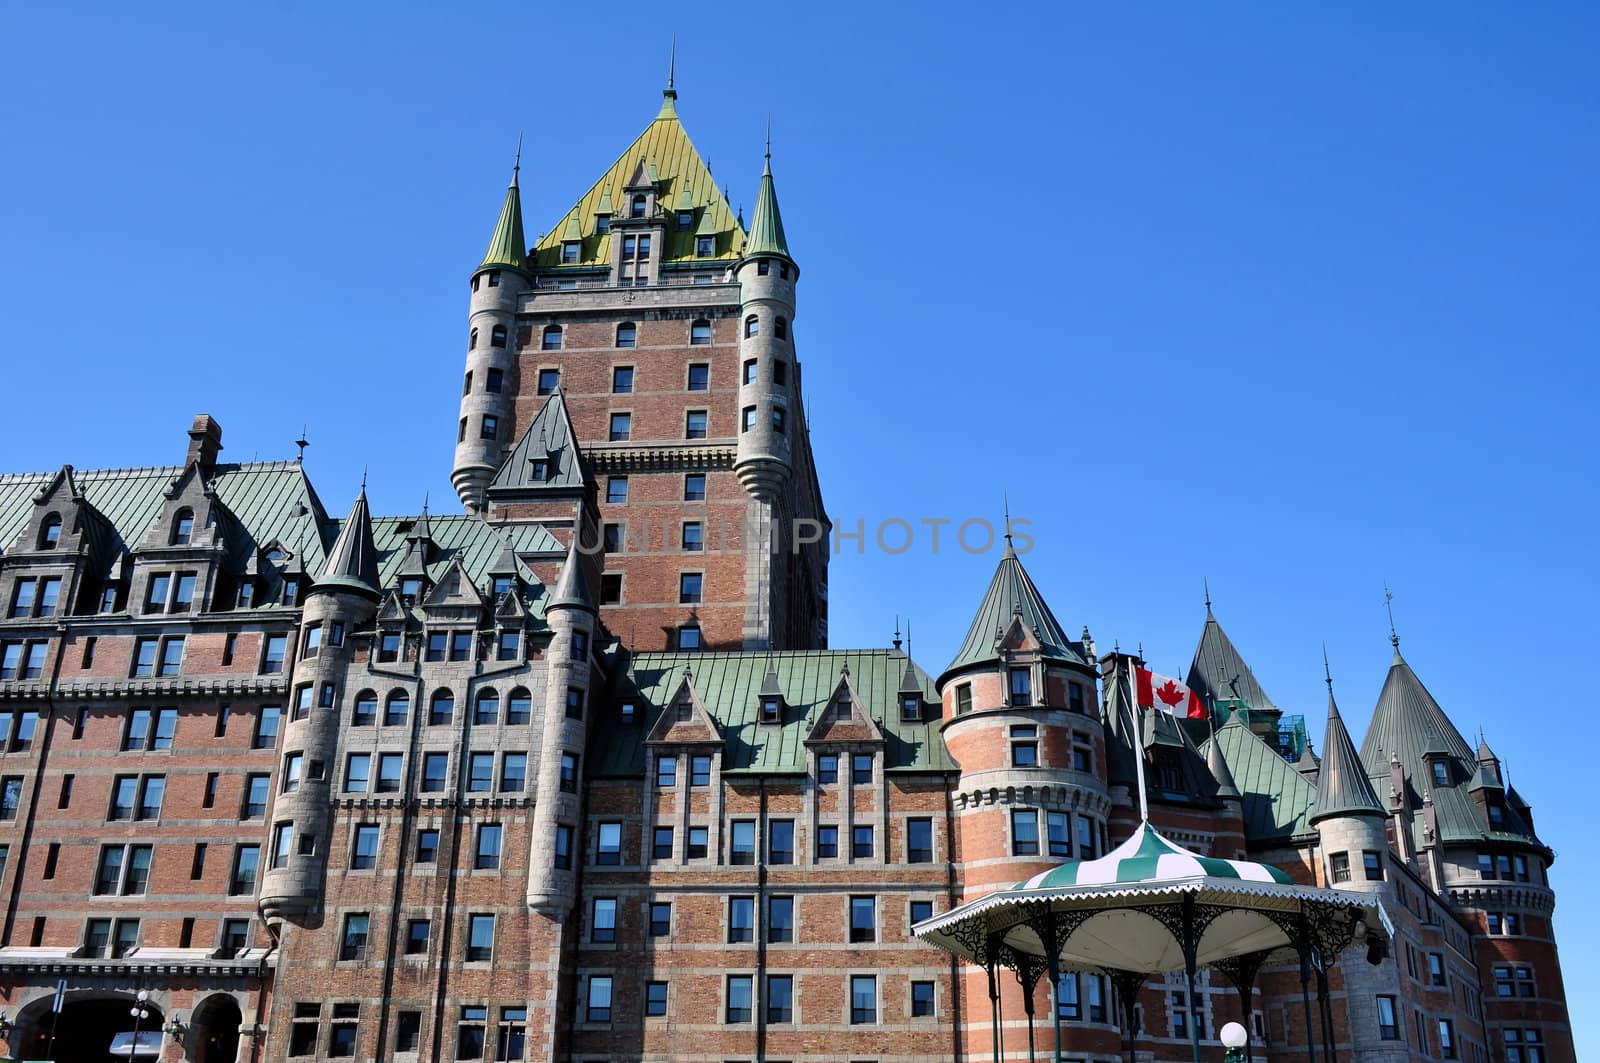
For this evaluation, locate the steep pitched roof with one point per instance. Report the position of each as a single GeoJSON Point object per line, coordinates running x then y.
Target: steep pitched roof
{"type": "Point", "coordinates": [1277, 801]}
{"type": "Point", "coordinates": [729, 685]}
{"type": "Point", "coordinates": [1342, 786]}
{"type": "Point", "coordinates": [1219, 669]}
{"type": "Point", "coordinates": [664, 146]}
{"type": "Point", "coordinates": [475, 544]}
{"type": "Point", "coordinates": [1218, 764]}
{"type": "Point", "coordinates": [507, 245]}
{"type": "Point", "coordinates": [572, 589]}
{"type": "Point", "coordinates": [1012, 593]}
{"type": "Point", "coordinates": [550, 438]}
{"type": "Point", "coordinates": [353, 561]}
{"type": "Point", "coordinates": [766, 224]}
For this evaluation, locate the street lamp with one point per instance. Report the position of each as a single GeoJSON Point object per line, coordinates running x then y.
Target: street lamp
{"type": "Point", "coordinates": [1234, 1038]}
{"type": "Point", "coordinates": [175, 1028]}
{"type": "Point", "coordinates": [139, 1013]}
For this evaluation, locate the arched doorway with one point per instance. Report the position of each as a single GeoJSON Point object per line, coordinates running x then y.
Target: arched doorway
{"type": "Point", "coordinates": [90, 1023]}
{"type": "Point", "coordinates": [213, 1035]}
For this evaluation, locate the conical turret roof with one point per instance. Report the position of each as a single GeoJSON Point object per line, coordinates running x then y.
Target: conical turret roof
{"type": "Point", "coordinates": [353, 561]}
{"type": "Point", "coordinates": [506, 245]}
{"type": "Point", "coordinates": [766, 224]}
{"type": "Point", "coordinates": [1342, 786]}
{"type": "Point", "coordinates": [572, 590]}
{"type": "Point", "coordinates": [1218, 764]}
{"type": "Point", "coordinates": [1220, 672]}
{"type": "Point", "coordinates": [1011, 594]}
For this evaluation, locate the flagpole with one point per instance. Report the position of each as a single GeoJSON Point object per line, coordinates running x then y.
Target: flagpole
{"type": "Point", "coordinates": [1138, 744]}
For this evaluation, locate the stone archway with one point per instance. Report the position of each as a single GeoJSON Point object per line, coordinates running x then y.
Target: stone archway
{"type": "Point", "coordinates": [213, 1034]}
{"type": "Point", "coordinates": [88, 1023]}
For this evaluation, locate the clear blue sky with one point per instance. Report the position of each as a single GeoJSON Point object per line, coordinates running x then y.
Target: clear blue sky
{"type": "Point", "coordinates": [1299, 300]}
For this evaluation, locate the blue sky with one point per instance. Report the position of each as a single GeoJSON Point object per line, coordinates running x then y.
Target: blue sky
{"type": "Point", "coordinates": [1298, 300]}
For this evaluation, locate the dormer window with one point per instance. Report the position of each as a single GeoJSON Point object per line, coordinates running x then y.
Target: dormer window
{"type": "Point", "coordinates": [704, 247]}
{"type": "Point", "coordinates": [1441, 773]}
{"type": "Point", "coordinates": [274, 554]}
{"type": "Point", "coordinates": [1497, 815]}
{"type": "Point", "coordinates": [570, 251]}
{"type": "Point", "coordinates": [636, 208]}
{"type": "Point", "coordinates": [541, 470]}
{"type": "Point", "coordinates": [626, 711]}
{"type": "Point", "coordinates": [685, 219]}
{"type": "Point", "coordinates": [602, 223]}
{"type": "Point", "coordinates": [683, 712]}
{"type": "Point", "coordinates": [50, 532]}
{"type": "Point", "coordinates": [1021, 686]}
{"type": "Point", "coordinates": [291, 591]}
{"type": "Point", "coordinates": [410, 589]}
{"type": "Point", "coordinates": [910, 708]}
{"type": "Point", "coordinates": [182, 527]}
{"type": "Point", "coordinates": [771, 710]}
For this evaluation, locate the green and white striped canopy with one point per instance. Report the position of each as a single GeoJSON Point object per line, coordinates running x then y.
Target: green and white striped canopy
{"type": "Point", "coordinates": [1148, 857]}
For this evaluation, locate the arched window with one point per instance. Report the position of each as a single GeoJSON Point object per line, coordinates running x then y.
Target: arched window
{"type": "Point", "coordinates": [552, 338]}
{"type": "Point", "coordinates": [780, 328]}
{"type": "Point", "coordinates": [472, 340]}
{"type": "Point", "coordinates": [397, 709]}
{"type": "Point", "coordinates": [365, 713]}
{"type": "Point", "coordinates": [752, 326]}
{"type": "Point", "coordinates": [442, 709]}
{"type": "Point", "coordinates": [637, 209]}
{"type": "Point", "coordinates": [466, 385]}
{"type": "Point", "coordinates": [700, 332]}
{"type": "Point", "coordinates": [50, 532]}
{"type": "Point", "coordinates": [497, 338]}
{"type": "Point", "coordinates": [182, 527]}
{"type": "Point", "coordinates": [487, 708]}
{"type": "Point", "coordinates": [627, 335]}
{"type": "Point", "coordinates": [519, 706]}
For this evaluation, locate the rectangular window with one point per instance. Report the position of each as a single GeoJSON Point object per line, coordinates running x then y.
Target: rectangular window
{"type": "Point", "coordinates": [574, 703]}
{"type": "Point", "coordinates": [1436, 969]}
{"type": "Point", "coordinates": [660, 919]}
{"type": "Point", "coordinates": [171, 657]}
{"type": "Point", "coordinates": [861, 769]}
{"type": "Point", "coordinates": [598, 1005]}
{"type": "Point", "coordinates": [388, 773]}
{"type": "Point", "coordinates": [434, 769]}
{"type": "Point", "coordinates": [694, 539]}
{"type": "Point", "coordinates": [655, 998]}
{"type": "Point", "coordinates": [921, 911]}
{"type": "Point", "coordinates": [364, 850]}
{"type": "Point", "coordinates": [389, 646]}
{"type": "Point", "coordinates": [471, 1032]}
{"type": "Point", "coordinates": [549, 380]}
{"type": "Point", "coordinates": [480, 773]}
{"type": "Point", "coordinates": [780, 841]}
{"type": "Point", "coordinates": [742, 842]}
{"type": "Point", "coordinates": [417, 932]}
{"type": "Point", "coordinates": [739, 1003]}
{"type": "Point", "coordinates": [357, 772]}
{"type": "Point", "coordinates": [608, 844]}
{"type": "Point", "coordinates": [863, 919]}
{"type": "Point", "coordinates": [603, 920]}
{"type": "Point", "coordinates": [617, 490]}
{"type": "Point", "coordinates": [863, 999]}
{"type": "Point", "coordinates": [689, 585]}
{"type": "Point", "coordinates": [861, 842]}
{"type": "Point", "coordinates": [922, 1000]}
{"type": "Point", "coordinates": [427, 846]}
{"type": "Point", "coordinates": [621, 427]}
{"type": "Point", "coordinates": [1340, 865]}
{"type": "Point", "coordinates": [694, 487]}
{"type": "Point", "coordinates": [699, 841]}
{"type": "Point", "coordinates": [487, 856]}
{"type": "Point", "coordinates": [780, 998]}
{"type": "Point", "coordinates": [1447, 1039]}
{"type": "Point", "coordinates": [282, 844]}
{"type": "Point", "coordinates": [827, 842]}
{"type": "Point", "coordinates": [919, 841]}
{"type": "Point", "coordinates": [1086, 846]}
{"type": "Point", "coordinates": [700, 771]}
{"type": "Point", "coordinates": [1388, 1026]}
{"type": "Point", "coordinates": [827, 769]}
{"type": "Point", "coordinates": [661, 843]}
{"type": "Point", "coordinates": [741, 919]}
{"type": "Point", "coordinates": [256, 789]}
{"type": "Point", "coordinates": [1024, 832]}
{"type": "Point", "coordinates": [246, 862]}
{"type": "Point", "coordinates": [144, 657]}
{"type": "Point", "coordinates": [480, 938]}
{"type": "Point", "coordinates": [1024, 746]}
{"type": "Point", "coordinates": [353, 946]}
{"type": "Point", "coordinates": [694, 426]}
{"type": "Point", "coordinates": [1021, 686]}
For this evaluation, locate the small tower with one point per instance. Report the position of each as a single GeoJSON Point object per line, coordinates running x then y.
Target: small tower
{"type": "Point", "coordinates": [489, 390]}
{"type": "Point", "coordinates": [343, 599]}
{"type": "Point", "coordinates": [558, 787]}
{"type": "Point", "coordinates": [1348, 817]}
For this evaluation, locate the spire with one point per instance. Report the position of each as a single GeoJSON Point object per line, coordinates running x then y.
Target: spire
{"type": "Point", "coordinates": [1220, 672]}
{"type": "Point", "coordinates": [1226, 787]}
{"type": "Point", "coordinates": [1012, 594]}
{"type": "Point", "coordinates": [1207, 584]}
{"type": "Point", "coordinates": [1343, 788]}
{"type": "Point", "coordinates": [766, 224]}
{"type": "Point", "coordinates": [909, 681]}
{"type": "Point", "coordinates": [1388, 605]}
{"type": "Point", "coordinates": [669, 95]}
{"type": "Point", "coordinates": [572, 591]}
{"type": "Point", "coordinates": [507, 247]}
{"type": "Point", "coordinates": [353, 562]}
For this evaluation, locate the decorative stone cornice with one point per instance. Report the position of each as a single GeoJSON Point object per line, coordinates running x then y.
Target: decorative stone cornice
{"type": "Point", "coordinates": [177, 687]}
{"type": "Point", "coordinates": [665, 457]}
{"type": "Point", "coordinates": [100, 973]}
{"type": "Point", "coordinates": [1519, 896]}
{"type": "Point", "coordinates": [1054, 798]}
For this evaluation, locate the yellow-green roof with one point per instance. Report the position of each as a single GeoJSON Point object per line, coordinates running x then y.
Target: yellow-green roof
{"type": "Point", "coordinates": [664, 145]}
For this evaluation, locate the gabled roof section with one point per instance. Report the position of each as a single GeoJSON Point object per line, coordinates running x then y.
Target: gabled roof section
{"type": "Point", "coordinates": [766, 224]}
{"type": "Point", "coordinates": [550, 438]}
{"type": "Point", "coordinates": [843, 717]}
{"type": "Point", "coordinates": [455, 590]}
{"type": "Point", "coordinates": [1011, 593]}
{"type": "Point", "coordinates": [678, 168]}
{"type": "Point", "coordinates": [475, 545]}
{"type": "Point", "coordinates": [1277, 801]}
{"type": "Point", "coordinates": [1342, 786]}
{"type": "Point", "coordinates": [1220, 672]}
{"type": "Point", "coordinates": [353, 562]}
{"type": "Point", "coordinates": [728, 684]}
{"type": "Point", "coordinates": [507, 246]}
{"type": "Point", "coordinates": [686, 720]}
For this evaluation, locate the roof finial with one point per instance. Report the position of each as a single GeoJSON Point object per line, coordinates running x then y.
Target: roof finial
{"type": "Point", "coordinates": [363, 479]}
{"type": "Point", "coordinates": [1388, 604]}
{"type": "Point", "coordinates": [303, 443]}
{"type": "Point", "coordinates": [897, 631]}
{"type": "Point", "coordinates": [908, 637]}
{"type": "Point", "coordinates": [672, 63]}
{"type": "Point", "coordinates": [425, 503]}
{"type": "Point", "coordinates": [517, 165]}
{"type": "Point", "coordinates": [1005, 498]}
{"type": "Point", "coordinates": [769, 140]}
{"type": "Point", "coordinates": [1327, 673]}
{"type": "Point", "coordinates": [1207, 584]}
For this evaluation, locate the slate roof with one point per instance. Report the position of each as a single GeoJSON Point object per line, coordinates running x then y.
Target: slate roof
{"type": "Point", "coordinates": [1409, 724]}
{"type": "Point", "coordinates": [1011, 592]}
{"type": "Point", "coordinates": [1342, 785]}
{"type": "Point", "coordinates": [1216, 662]}
{"type": "Point", "coordinates": [664, 146]}
{"type": "Point", "coordinates": [766, 224]}
{"type": "Point", "coordinates": [270, 501]}
{"type": "Point", "coordinates": [477, 545]}
{"type": "Point", "coordinates": [353, 561]}
{"type": "Point", "coordinates": [1277, 801]}
{"type": "Point", "coordinates": [550, 437]}
{"type": "Point", "coordinates": [729, 686]}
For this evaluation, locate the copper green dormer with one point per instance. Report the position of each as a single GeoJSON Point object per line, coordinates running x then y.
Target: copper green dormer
{"type": "Point", "coordinates": [507, 246]}
{"type": "Point", "coordinates": [766, 225]}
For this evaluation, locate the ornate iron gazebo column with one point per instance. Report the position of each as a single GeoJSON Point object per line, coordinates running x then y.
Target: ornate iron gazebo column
{"type": "Point", "coordinates": [991, 958]}
{"type": "Point", "coordinates": [1242, 972]}
{"type": "Point", "coordinates": [1128, 985]}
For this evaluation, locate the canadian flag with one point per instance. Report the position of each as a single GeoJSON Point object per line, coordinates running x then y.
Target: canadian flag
{"type": "Point", "coordinates": [1167, 694]}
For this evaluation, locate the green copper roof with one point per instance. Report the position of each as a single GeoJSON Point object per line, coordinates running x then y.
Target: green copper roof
{"type": "Point", "coordinates": [572, 588]}
{"type": "Point", "coordinates": [353, 561]}
{"type": "Point", "coordinates": [507, 247]}
{"type": "Point", "coordinates": [550, 439]}
{"type": "Point", "coordinates": [1277, 801]}
{"type": "Point", "coordinates": [1219, 669]}
{"type": "Point", "coordinates": [766, 224]}
{"type": "Point", "coordinates": [1342, 786]}
{"type": "Point", "coordinates": [475, 544]}
{"type": "Point", "coordinates": [1011, 593]}
{"type": "Point", "coordinates": [730, 685]}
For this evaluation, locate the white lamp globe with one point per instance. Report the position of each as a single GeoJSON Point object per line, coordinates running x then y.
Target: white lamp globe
{"type": "Point", "coordinates": [1234, 1036]}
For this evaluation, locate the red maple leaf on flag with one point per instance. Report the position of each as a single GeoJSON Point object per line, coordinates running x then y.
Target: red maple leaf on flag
{"type": "Point", "coordinates": [1170, 693]}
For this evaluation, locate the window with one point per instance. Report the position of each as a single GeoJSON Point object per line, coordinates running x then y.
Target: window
{"type": "Point", "coordinates": [827, 769]}
{"type": "Point", "coordinates": [739, 998]}
{"type": "Point", "coordinates": [471, 1032]}
{"type": "Point", "coordinates": [863, 999]}
{"type": "Point", "coordinates": [778, 417]}
{"type": "Point", "coordinates": [122, 871]}
{"type": "Point", "coordinates": [1436, 969]}
{"type": "Point", "coordinates": [246, 862]}
{"type": "Point", "coordinates": [397, 709]}
{"type": "Point", "coordinates": [603, 920]}
{"type": "Point", "coordinates": [752, 326]}
{"type": "Point", "coordinates": [689, 638]}
{"type": "Point", "coordinates": [434, 767]}
{"type": "Point", "coordinates": [627, 335]}
{"type": "Point", "coordinates": [480, 938]}
{"type": "Point", "coordinates": [364, 850]}
{"type": "Point", "coordinates": [748, 419]}
{"type": "Point", "coordinates": [863, 919]}
{"type": "Point", "coordinates": [608, 845]}
{"type": "Point", "coordinates": [256, 788]}
{"type": "Point", "coordinates": [1441, 773]}
{"type": "Point", "coordinates": [282, 844]}
{"type": "Point", "coordinates": [519, 706]}
{"type": "Point", "coordinates": [742, 842]}
{"type": "Point", "coordinates": [660, 919]}
{"type": "Point", "coordinates": [1024, 746]}
{"type": "Point", "coordinates": [357, 772]}
{"type": "Point", "coordinates": [700, 771]}
{"type": "Point", "coordinates": [266, 733]}
{"type": "Point", "coordinates": [1024, 832]}
{"type": "Point", "coordinates": [1339, 864]}
{"type": "Point", "coordinates": [655, 998]}
{"type": "Point", "coordinates": [827, 842]}
{"type": "Point", "coordinates": [574, 703]}
{"type": "Point", "coordinates": [151, 789]}
{"type": "Point", "coordinates": [11, 797]}
{"type": "Point", "coordinates": [50, 532]}
{"type": "Point", "coordinates": [666, 772]}
{"type": "Point", "coordinates": [551, 340]}
{"type": "Point", "coordinates": [861, 769]}
{"type": "Point", "coordinates": [487, 855]}
{"type": "Point", "coordinates": [1058, 826]}
{"type": "Point", "coordinates": [417, 931]}
{"type": "Point", "coordinates": [1021, 686]}
{"type": "Point", "coordinates": [480, 773]}
{"type": "Point", "coordinates": [365, 712]}
{"type": "Point", "coordinates": [550, 379]}
{"type": "Point", "coordinates": [622, 378]}
{"type": "Point", "coordinates": [144, 657]}
{"type": "Point", "coordinates": [1086, 846]}
{"type": "Point", "coordinates": [442, 709]}
{"type": "Point", "coordinates": [699, 841]}
{"type": "Point", "coordinates": [235, 937]}
{"type": "Point", "coordinates": [617, 490]}
{"type": "Point", "coordinates": [751, 370]}
{"type": "Point", "coordinates": [272, 654]}
{"type": "Point", "coordinates": [427, 845]}
{"type": "Point", "coordinates": [570, 250]}
{"type": "Point", "coordinates": [921, 1000]}
{"type": "Point", "coordinates": [1447, 1039]}
{"type": "Point", "coordinates": [695, 424]}
{"type": "Point", "coordinates": [780, 841]}
{"type": "Point", "coordinates": [689, 585]}
{"type": "Point", "coordinates": [1373, 864]}
{"type": "Point", "coordinates": [598, 1005]}
{"type": "Point", "coordinates": [610, 588]}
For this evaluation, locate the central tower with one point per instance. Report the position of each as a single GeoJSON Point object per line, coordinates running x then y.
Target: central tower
{"type": "Point", "coordinates": [668, 331]}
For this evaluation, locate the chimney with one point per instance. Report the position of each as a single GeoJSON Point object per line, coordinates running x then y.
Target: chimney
{"type": "Point", "coordinates": [205, 439]}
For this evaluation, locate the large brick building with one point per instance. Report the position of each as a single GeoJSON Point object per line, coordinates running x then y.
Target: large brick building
{"type": "Point", "coordinates": [573, 775]}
